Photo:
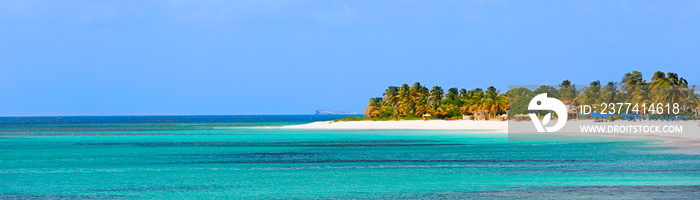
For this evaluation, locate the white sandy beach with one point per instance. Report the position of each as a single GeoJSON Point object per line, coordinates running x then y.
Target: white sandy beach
{"type": "Point", "coordinates": [689, 139]}
{"type": "Point", "coordinates": [490, 126]}
{"type": "Point", "coordinates": [691, 130]}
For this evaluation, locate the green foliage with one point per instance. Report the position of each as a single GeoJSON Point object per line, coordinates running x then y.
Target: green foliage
{"type": "Point", "coordinates": [416, 101]}
{"type": "Point", "coordinates": [519, 99]}
{"type": "Point", "coordinates": [551, 91]}
{"type": "Point", "coordinates": [452, 94]}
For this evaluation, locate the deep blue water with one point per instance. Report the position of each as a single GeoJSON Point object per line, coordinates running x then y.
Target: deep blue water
{"type": "Point", "coordinates": [185, 119]}
{"type": "Point", "coordinates": [224, 157]}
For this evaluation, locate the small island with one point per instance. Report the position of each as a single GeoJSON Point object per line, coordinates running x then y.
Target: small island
{"type": "Point", "coordinates": [417, 102]}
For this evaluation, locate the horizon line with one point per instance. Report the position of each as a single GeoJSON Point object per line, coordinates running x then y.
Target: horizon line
{"type": "Point", "coordinates": [163, 115]}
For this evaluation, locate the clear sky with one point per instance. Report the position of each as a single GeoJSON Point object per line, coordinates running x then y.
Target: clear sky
{"type": "Point", "coordinates": [172, 57]}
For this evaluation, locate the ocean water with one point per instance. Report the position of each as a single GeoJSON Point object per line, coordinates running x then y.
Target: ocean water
{"type": "Point", "coordinates": [249, 157]}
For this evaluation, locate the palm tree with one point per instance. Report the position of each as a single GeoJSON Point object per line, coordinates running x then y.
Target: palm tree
{"type": "Point", "coordinates": [415, 89]}
{"type": "Point", "coordinates": [474, 106]}
{"type": "Point", "coordinates": [404, 107]}
{"type": "Point", "coordinates": [675, 79]}
{"type": "Point", "coordinates": [490, 101]}
{"type": "Point", "coordinates": [452, 94]}
{"type": "Point", "coordinates": [436, 96]}
{"type": "Point", "coordinates": [373, 107]}
{"type": "Point", "coordinates": [391, 95]}
{"type": "Point", "coordinates": [567, 92]}
{"type": "Point", "coordinates": [610, 92]}
{"type": "Point", "coordinates": [421, 100]}
{"type": "Point", "coordinates": [659, 78]}
{"type": "Point", "coordinates": [640, 96]}
{"type": "Point", "coordinates": [591, 94]}
{"type": "Point", "coordinates": [668, 88]}
{"type": "Point", "coordinates": [462, 93]}
{"type": "Point", "coordinates": [630, 81]}
{"type": "Point", "coordinates": [501, 103]}
{"type": "Point", "coordinates": [472, 102]}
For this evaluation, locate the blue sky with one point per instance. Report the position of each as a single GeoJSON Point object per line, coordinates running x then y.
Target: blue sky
{"type": "Point", "coordinates": [80, 57]}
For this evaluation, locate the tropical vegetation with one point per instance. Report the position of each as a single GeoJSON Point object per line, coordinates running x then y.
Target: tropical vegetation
{"type": "Point", "coordinates": [418, 101]}
{"type": "Point", "coordinates": [664, 88]}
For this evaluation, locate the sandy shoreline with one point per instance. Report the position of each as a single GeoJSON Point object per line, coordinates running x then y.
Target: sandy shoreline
{"type": "Point", "coordinates": [491, 126]}
{"type": "Point", "coordinates": [688, 140]}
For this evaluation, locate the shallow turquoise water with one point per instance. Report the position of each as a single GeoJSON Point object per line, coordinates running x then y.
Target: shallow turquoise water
{"type": "Point", "coordinates": [231, 161]}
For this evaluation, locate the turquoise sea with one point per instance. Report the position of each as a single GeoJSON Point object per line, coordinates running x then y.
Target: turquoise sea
{"type": "Point", "coordinates": [249, 157]}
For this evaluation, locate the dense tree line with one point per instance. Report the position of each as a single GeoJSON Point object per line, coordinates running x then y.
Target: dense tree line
{"type": "Point", "coordinates": [417, 100]}
{"type": "Point", "coordinates": [662, 88]}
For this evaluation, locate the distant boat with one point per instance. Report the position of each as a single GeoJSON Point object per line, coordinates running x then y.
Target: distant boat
{"type": "Point", "coordinates": [330, 112]}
